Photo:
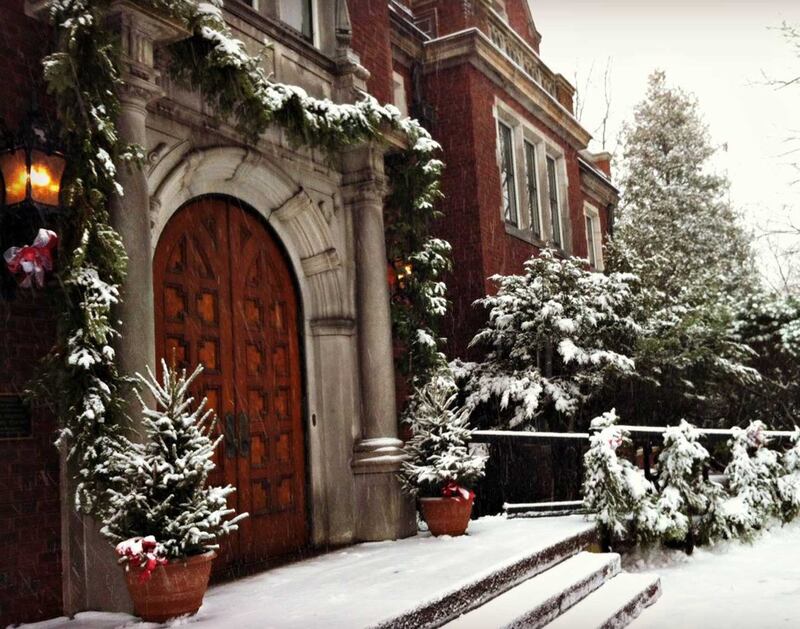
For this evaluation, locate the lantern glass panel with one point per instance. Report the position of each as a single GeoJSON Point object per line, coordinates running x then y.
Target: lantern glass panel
{"type": "Point", "coordinates": [46, 172]}
{"type": "Point", "coordinates": [15, 176]}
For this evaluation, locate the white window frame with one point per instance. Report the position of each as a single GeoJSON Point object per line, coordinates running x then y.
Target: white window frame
{"type": "Point", "coordinates": [515, 198]}
{"type": "Point", "coordinates": [315, 35]}
{"type": "Point", "coordinates": [523, 132]}
{"type": "Point", "coordinates": [592, 214]}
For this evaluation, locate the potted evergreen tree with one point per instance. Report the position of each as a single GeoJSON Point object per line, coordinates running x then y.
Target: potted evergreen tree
{"type": "Point", "coordinates": [440, 468]}
{"type": "Point", "coordinates": [162, 516]}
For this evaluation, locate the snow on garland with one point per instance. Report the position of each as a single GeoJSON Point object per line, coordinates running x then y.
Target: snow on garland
{"type": "Point", "coordinates": [684, 507]}
{"type": "Point", "coordinates": [212, 61]}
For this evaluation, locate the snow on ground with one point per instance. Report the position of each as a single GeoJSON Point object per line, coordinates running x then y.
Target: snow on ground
{"type": "Point", "coordinates": [365, 584]}
{"type": "Point", "coordinates": [734, 585]}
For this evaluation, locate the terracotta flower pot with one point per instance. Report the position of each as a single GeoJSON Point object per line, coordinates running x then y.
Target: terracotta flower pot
{"type": "Point", "coordinates": [447, 516]}
{"type": "Point", "coordinates": [174, 589]}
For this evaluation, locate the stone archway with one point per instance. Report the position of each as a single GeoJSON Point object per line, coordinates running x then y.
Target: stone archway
{"type": "Point", "coordinates": [225, 298]}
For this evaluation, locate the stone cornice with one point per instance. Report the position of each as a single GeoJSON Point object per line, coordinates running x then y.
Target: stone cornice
{"type": "Point", "coordinates": [474, 47]}
{"type": "Point", "coordinates": [596, 184]}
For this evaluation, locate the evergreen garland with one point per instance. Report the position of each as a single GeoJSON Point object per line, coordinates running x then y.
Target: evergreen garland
{"type": "Point", "coordinates": [82, 364]}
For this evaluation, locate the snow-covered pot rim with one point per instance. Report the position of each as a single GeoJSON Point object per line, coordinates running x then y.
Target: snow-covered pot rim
{"type": "Point", "coordinates": [435, 498]}
{"type": "Point", "coordinates": [209, 554]}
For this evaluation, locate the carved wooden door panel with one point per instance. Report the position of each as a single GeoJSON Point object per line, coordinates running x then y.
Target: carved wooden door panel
{"type": "Point", "coordinates": [224, 297]}
{"type": "Point", "coordinates": [268, 392]}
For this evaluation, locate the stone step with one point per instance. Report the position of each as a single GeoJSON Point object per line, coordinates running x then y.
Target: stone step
{"type": "Point", "coordinates": [537, 601]}
{"type": "Point", "coordinates": [613, 605]}
{"type": "Point", "coordinates": [485, 586]}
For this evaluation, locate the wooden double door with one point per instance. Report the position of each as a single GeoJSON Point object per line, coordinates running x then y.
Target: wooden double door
{"type": "Point", "coordinates": [224, 297]}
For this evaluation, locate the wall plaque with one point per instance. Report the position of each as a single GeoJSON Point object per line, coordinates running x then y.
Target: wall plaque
{"type": "Point", "coordinates": [15, 418]}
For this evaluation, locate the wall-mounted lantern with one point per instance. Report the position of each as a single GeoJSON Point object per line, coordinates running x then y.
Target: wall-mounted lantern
{"type": "Point", "coordinates": [399, 270]}
{"type": "Point", "coordinates": [31, 170]}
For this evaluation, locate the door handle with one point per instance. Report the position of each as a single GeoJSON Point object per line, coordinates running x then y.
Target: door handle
{"type": "Point", "coordinates": [244, 434]}
{"type": "Point", "coordinates": [230, 436]}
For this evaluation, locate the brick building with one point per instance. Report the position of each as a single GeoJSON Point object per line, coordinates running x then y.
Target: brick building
{"type": "Point", "coordinates": [518, 176]}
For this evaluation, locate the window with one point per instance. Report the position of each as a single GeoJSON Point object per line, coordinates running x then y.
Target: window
{"type": "Point", "coordinates": [555, 210]}
{"type": "Point", "coordinates": [531, 178]}
{"type": "Point", "coordinates": [507, 181]}
{"type": "Point", "coordinates": [590, 245]}
{"type": "Point", "coordinates": [298, 15]}
{"type": "Point", "coordinates": [533, 181]}
{"type": "Point", "coordinates": [594, 237]}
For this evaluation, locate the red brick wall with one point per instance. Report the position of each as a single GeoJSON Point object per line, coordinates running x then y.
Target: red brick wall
{"type": "Point", "coordinates": [448, 92]}
{"type": "Point", "coordinates": [463, 99]}
{"type": "Point", "coordinates": [520, 22]}
{"type": "Point", "coordinates": [30, 523]}
{"type": "Point", "coordinates": [30, 555]}
{"type": "Point", "coordinates": [370, 23]}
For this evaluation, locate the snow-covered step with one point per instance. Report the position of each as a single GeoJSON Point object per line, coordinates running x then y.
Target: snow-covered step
{"type": "Point", "coordinates": [614, 605]}
{"type": "Point", "coordinates": [537, 601]}
{"type": "Point", "coordinates": [535, 557]}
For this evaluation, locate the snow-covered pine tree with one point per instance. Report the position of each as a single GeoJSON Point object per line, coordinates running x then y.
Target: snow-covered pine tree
{"type": "Point", "coordinates": [622, 499]}
{"type": "Point", "coordinates": [769, 323]}
{"type": "Point", "coordinates": [161, 488]}
{"type": "Point", "coordinates": [678, 232]}
{"type": "Point", "coordinates": [675, 214]}
{"type": "Point", "coordinates": [686, 498]}
{"type": "Point", "coordinates": [555, 333]}
{"type": "Point", "coordinates": [789, 482]}
{"type": "Point", "coordinates": [438, 453]}
{"type": "Point", "coordinates": [753, 474]}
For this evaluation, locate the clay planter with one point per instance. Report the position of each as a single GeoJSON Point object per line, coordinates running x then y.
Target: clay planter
{"type": "Point", "coordinates": [447, 516]}
{"type": "Point", "coordinates": [175, 589]}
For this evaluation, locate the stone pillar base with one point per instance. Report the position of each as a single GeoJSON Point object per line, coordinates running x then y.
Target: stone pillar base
{"type": "Point", "coordinates": [383, 510]}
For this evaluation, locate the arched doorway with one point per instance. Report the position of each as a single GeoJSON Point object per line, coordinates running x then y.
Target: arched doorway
{"type": "Point", "coordinates": [225, 297]}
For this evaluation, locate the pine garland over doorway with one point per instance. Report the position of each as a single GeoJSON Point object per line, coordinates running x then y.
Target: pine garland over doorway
{"type": "Point", "coordinates": [83, 77]}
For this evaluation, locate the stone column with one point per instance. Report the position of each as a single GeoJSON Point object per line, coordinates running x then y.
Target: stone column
{"type": "Point", "coordinates": [92, 580]}
{"type": "Point", "coordinates": [140, 32]}
{"type": "Point", "coordinates": [382, 510]}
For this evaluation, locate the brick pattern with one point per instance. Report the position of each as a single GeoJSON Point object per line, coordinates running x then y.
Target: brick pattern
{"type": "Point", "coordinates": [463, 99]}
{"type": "Point", "coordinates": [370, 25]}
{"type": "Point", "coordinates": [518, 19]}
{"type": "Point", "coordinates": [30, 524]}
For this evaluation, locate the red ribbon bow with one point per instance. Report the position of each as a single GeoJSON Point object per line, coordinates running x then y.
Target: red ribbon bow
{"type": "Point", "coordinates": [143, 553]}
{"type": "Point", "coordinates": [453, 490]}
{"type": "Point", "coordinates": [34, 260]}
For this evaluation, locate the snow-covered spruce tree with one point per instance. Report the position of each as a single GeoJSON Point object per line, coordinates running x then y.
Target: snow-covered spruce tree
{"type": "Point", "coordinates": [674, 213]}
{"type": "Point", "coordinates": [753, 474]}
{"type": "Point", "coordinates": [438, 453]}
{"type": "Point", "coordinates": [622, 499]}
{"type": "Point", "coordinates": [161, 489]}
{"type": "Point", "coordinates": [686, 498]}
{"type": "Point", "coordinates": [789, 482]}
{"type": "Point", "coordinates": [677, 231]}
{"type": "Point", "coordinates": [769, 324]}
{"type": "Point", "coordinates": [554, 334]}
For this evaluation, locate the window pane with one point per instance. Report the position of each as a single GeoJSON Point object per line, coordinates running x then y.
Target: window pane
{"type": "Point", "coordinates": [533, 188]}
{"type": "Point", "coordinates": [590, 245]}
{"type": "Point", "coordinates": [297, 14]}
{"type": "Point", "coordinates": [555, 217]}
{"type": "Point", "coordinates": [507, 183]}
